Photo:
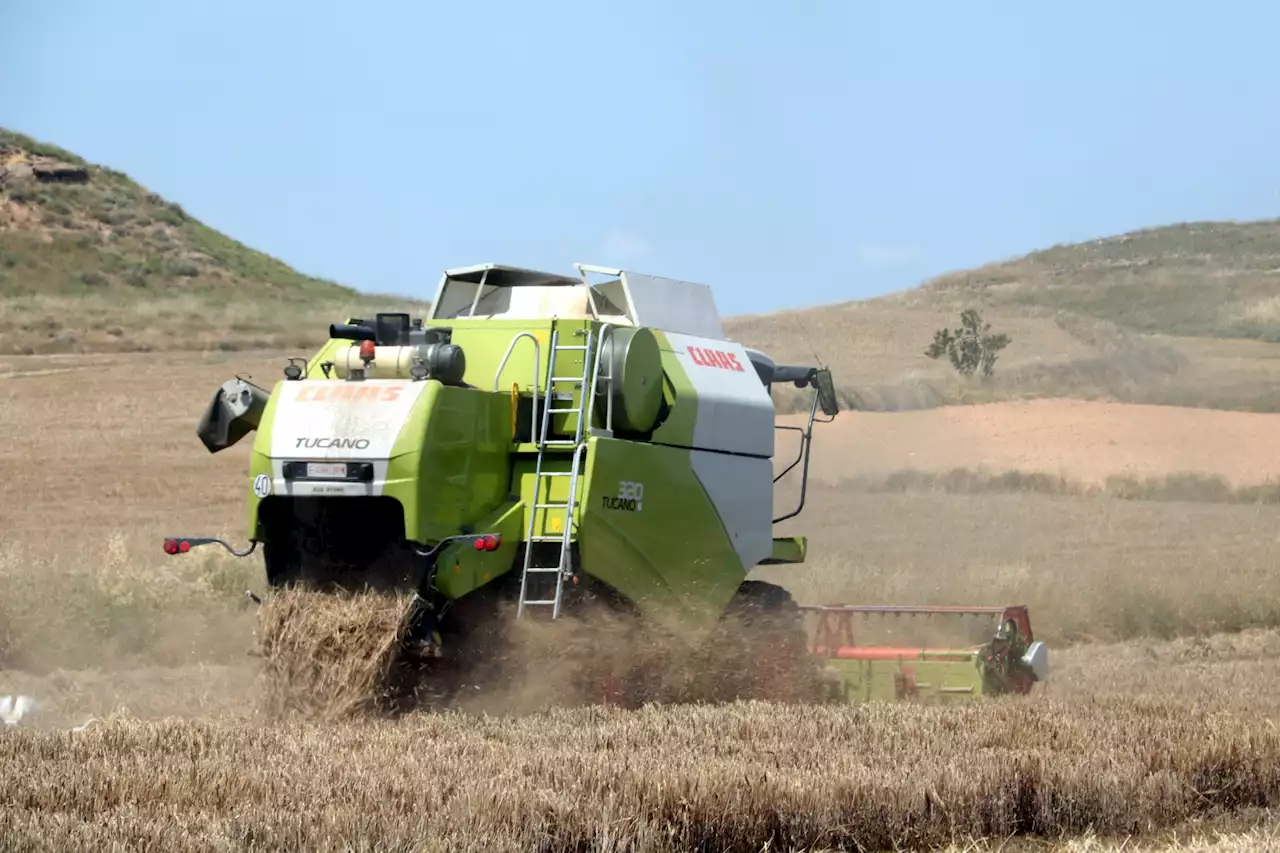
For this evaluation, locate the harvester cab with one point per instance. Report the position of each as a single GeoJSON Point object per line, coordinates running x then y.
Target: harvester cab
{"type": "Point", "coordinates": [537, 440]}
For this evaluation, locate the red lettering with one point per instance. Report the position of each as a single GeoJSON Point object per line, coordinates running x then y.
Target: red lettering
{"type": "Point", "coordinates": [715, 358]}
{"type": "Point", "coordinates": [340, 391]}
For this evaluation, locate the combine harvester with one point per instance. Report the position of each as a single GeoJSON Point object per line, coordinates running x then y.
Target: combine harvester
{"type": "Point", "coordinates": [539, 445]}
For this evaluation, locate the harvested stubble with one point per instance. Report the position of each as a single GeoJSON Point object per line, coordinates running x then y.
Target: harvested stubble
{"type": "Point", "coordinates": [734, 777]}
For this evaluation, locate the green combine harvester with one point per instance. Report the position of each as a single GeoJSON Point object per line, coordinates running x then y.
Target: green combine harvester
{"type": "Point", "coordinates": [540, 444]}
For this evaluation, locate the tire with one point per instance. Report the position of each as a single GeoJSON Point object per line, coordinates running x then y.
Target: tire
{"type": "Point", "coordinates": [760, 649]}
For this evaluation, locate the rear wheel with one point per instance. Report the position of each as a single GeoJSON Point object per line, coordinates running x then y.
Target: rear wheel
{"type": "Point", "coordinates": [760, 649]}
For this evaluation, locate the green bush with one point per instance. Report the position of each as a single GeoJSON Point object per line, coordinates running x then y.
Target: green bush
{"type": "Point", "coordinates": [970, 347]}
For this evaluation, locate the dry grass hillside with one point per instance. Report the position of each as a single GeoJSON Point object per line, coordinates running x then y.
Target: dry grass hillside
{"type": "Point", "coordinates": [876, 350]}
{"type": "Point", "coordinates": [1194, 279]}
{"type": "Point", "coordinates": [1181, 315]}
{"type": "Point", "coordinates": [1185, 314]}
{"type": "Point", "coordinates": [91, 261]}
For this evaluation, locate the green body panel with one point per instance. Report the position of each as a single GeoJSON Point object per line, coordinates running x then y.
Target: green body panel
{"type": "Point", "coordinates": [788, 549]}
{"type": "Point", "coordinates": [450, 464]}
{"type": "Point", "coordinates": [554, 490]}
{"type": "Point", "coordinates": [944, 677]}
{"type": "Point", "coordinates": [462, 569]}
{"type": "Point", "coordinates": [667, 549]}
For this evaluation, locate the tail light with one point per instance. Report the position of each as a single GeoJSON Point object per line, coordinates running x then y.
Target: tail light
{"type": "Point", "coordinates": [176, 546]}
{"type": "Point", "coordinates": [182, 544]}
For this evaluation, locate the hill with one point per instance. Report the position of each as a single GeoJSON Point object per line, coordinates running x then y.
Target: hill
{"type": "Point", "coordinates": [876, 351]}
{"type": "Point", "coordinates": [91, 261]}
{"type": "Point", "coordinates": [1187, 314]}
{"type": "Point", "coordinates": [1207, 279]}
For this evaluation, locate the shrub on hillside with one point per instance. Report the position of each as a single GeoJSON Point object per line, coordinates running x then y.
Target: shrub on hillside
{"type": "Point", "coordinates": [971, 346]}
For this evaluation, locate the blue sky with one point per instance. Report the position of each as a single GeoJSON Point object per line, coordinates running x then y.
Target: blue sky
{"type": "Point", "coordinates": [787, 153]}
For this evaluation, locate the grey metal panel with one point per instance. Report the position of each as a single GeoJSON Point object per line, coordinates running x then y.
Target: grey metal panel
{"type": "Point", "coordinates": [672, 305]}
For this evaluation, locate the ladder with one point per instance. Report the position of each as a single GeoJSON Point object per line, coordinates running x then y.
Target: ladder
{"type": "Point", "coordinates": [544, 479]}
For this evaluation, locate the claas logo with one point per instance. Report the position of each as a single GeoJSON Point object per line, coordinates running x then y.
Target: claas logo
{"type": "Point", "coordinates": [334, 392]}
{"type": "Point", "coordinates": [715, 358]}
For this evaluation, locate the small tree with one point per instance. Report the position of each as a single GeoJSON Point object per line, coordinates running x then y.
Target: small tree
{"type": "Point", "coordinates": [969, 347]}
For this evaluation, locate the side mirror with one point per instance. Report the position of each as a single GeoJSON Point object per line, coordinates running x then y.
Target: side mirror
{"type": "Point", "coordinates": [811, 377]}
{"type": "Point", "coordinates": [826, 392]}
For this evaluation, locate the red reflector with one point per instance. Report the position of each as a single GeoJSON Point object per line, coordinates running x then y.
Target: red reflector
{"type": "Point", "coordinates": [480, 543]}
{"type": "Point", "coordinates": [170, 547]}
{"type": "Point", "coordinates": [184, 547]}
{"type": "Point", "coordinates": [492, 542]}
{"type": "Point", "coordinates": [367, 349]}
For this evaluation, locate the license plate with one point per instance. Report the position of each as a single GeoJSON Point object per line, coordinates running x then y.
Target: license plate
{"type": "Point", "coordinates": [322, 470]}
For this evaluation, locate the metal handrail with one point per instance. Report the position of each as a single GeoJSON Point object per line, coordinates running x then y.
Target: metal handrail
{"type": "Point", "coordinates": [575, 469]}
{"type": "Point", "coordinates": [806, 445]}
{"type": "Point", "coordinates": [537, 361]}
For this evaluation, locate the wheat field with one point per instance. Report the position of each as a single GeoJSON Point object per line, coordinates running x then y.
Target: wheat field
{"type": "Point", "coordinates": [1157, 729]}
